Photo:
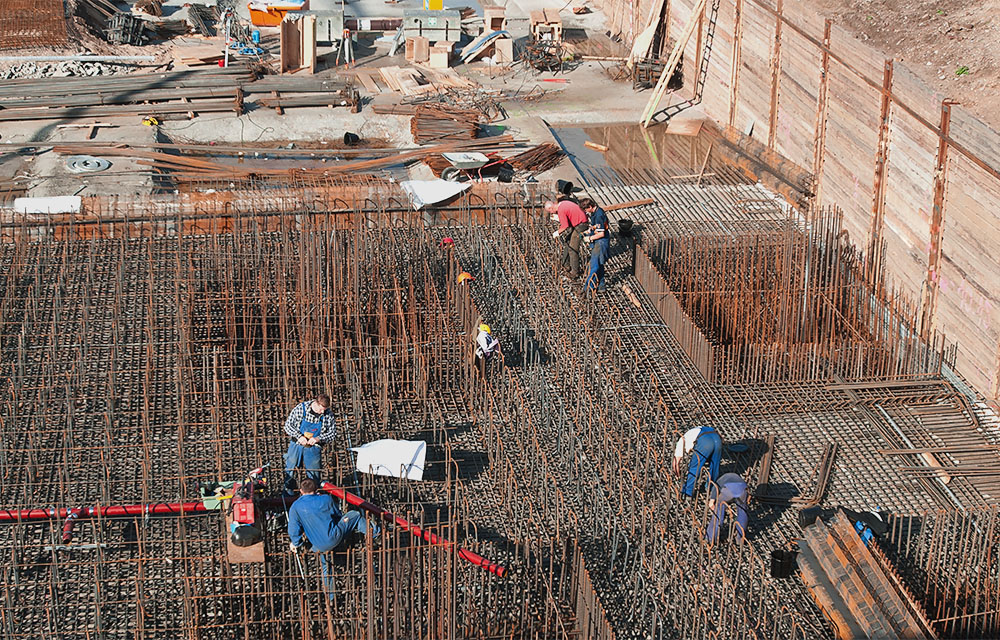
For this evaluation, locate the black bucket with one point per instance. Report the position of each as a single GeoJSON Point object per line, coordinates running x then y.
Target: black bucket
{"type": "Point", "coordinates": [351, 139]}
{"type": "Point", "coordinates": [505, 173]}
{"type": "Point", "coordinates": [782, 563]}
{"type": "Point", "coordinates": [625, 228]}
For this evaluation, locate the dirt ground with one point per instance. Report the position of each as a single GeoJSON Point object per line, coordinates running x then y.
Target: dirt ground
{"type": "Point", "coordinates": [954, 45]}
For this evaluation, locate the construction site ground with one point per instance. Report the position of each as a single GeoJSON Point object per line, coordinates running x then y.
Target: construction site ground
{"type": "Point", "coordinates": [168, 328]}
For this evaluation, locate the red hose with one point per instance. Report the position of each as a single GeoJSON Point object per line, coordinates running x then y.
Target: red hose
{"type": "Point", "coordinates": [110, 511]}
{"type": "Point", "coordinates": [387, 516]}
{"type": "Point", "coordinates": [177, 508]}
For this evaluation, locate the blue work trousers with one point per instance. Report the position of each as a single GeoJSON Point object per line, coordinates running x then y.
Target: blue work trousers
{"type": "Point", "coordinates": [707, 450]}
{"type": "Point", "coordinates": [350, 521]}
{"type": "Point", "coordinates": [300, 457]}
{"type": "Point", "coordinates": [598, 256]}
{"type": "Point", "coordinates": [737, 509]}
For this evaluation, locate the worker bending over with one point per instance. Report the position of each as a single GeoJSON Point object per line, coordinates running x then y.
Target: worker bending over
{"type": "Point", "coordinates": [309, 425]}
{"type": "Point", "coordinates": [707, 446]}
{"type": "Point", "coordinates": [731, 491]}
{"type": "Point", "coordinates": [600, 244]}
{"type": "Point", "coordinates": [572, 224]}
{"type": "Point", "coordinates": [486, 347]}
{"type": "Point", "coordinates": [317, 517]}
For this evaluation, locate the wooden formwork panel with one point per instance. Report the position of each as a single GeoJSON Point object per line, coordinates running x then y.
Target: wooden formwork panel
{"type": "Point", "coordinates": [801, 63]}
{"type": "Point", "coordinates": [968, 306]}
{"type": "Point", "coordinates": [909, 199]}
{"type": "Point", "coordinates": [851, 148]}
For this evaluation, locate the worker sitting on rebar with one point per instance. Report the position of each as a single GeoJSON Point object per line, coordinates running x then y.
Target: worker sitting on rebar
{"type": "Point", "coordinates": [318, 518]}
{"type": "Point", "coordinates": [572, 223]}
{"type": "Point", "coordinates": [600, 244]}
{"type": "Point", "coordinates": [707, 446]}
{"type": "Point", "coordinates": [486, 347]}
{"type": "Point", "coordinates": [314, 518]}
{"type": "Point", "coordinates": [730, 491]}
{"type": "Point", "coordinates": [309, 425]}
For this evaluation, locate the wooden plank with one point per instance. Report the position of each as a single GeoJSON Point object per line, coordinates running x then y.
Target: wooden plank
{"type": "Point", "coordinates": [368, 82]}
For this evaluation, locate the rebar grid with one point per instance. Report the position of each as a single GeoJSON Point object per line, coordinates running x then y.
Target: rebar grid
{"type": "Point", "coordinates": [219, 335]}
{"type": "Point", "coordinates": [29, 23]}
{"type": "Point", "coordinates": [139, 367]}
{"type": "Point", "coordinates": [580, 422]}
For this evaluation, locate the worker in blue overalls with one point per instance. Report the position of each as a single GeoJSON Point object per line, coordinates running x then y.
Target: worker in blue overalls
{"type": "Point", "coordinates": [317, 518]}
{"type": "Point", "coordinates": [729, 492]}
{"type": "Point", "coordinates": [599, 237]}
{"type": "Point", "coordinates": [707, 446]}
{"type": "Point", "coordinates": [309, 425]}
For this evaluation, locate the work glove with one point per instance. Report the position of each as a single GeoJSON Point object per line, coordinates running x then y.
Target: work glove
{"type": "Point", "coordinates": [291, 545]}
{"type": "Point", "coordinates": [555, 234]}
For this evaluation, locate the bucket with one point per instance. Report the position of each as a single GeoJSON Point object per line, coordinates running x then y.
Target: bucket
{"type": "Point", "coordinates": [351, 139]}
{"type": "Point", "coordinates": [782, 563]}
{"type": "Point", "coordinates": [625, 227]}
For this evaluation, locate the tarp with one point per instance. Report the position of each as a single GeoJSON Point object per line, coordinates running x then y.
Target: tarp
{"type": "Point", "coordinates": [396, 458]}
{"type": "Point", "coordinates": [53, 204]}
{"type": "Point", "coordinates": [478, 46]}
{"type": "Point", "coordinates": [423, 192]}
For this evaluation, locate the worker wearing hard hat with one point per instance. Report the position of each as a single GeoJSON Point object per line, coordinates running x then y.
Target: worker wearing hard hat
{"type": "Point", "coordinates": [486, 347]}
{"type": "Point", "coordinates": [706, 445]}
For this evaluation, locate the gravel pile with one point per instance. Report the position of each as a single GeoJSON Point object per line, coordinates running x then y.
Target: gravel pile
{"type": "Point", "coordinates": [64, 69]}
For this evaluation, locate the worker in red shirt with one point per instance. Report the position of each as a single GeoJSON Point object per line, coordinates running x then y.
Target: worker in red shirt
{"type": "Point", "coordinates": [572, 225]}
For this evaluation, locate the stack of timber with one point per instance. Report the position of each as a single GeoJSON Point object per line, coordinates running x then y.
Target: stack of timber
{"type": "Point", "coordinates": [329, 92]}
{"type": "Point", "coordinates": [411, 81]}
{"type": "Point", "coordinates": [437, 122]}
{"type": "Point", "coordinates": [159, 94]}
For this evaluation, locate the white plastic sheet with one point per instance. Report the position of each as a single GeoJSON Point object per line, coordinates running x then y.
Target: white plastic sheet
{"type": "Point", "coordinates": [396, 458]}
{"type": "Point", "coordinates": [431, 191]}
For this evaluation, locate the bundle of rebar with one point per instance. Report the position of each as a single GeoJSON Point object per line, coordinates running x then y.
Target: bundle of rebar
{"type": "Point", "coordinates": [440, 122]}
{"type": "Point", "coordinates": [538, 159]}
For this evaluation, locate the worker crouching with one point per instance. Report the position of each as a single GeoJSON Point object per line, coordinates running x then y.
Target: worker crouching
{"type": "Point", "coordinates": [572, 224]}
{"type": "Point", "coordinates": [315, 517]}
{"type": "Point", "coordinates": [315, 520]}
{"type": "Point", "coordinates": [729, 493]}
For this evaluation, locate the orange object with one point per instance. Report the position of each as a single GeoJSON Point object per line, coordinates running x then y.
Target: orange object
{"type": "Point", "coordinates": [465, 275]}
{"type": "Point", "coordinates": [270, 13]}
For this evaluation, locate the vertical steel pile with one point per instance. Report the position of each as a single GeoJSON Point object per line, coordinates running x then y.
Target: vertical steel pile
{"type": "Point", "coordinates": [785, 303]}
{"type": "Point", "coordinates": [948, 561]}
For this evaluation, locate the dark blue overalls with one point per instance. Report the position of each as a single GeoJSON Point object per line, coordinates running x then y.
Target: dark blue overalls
{"type": "Point", "coordinates": [600, 251]}
{"type": "Point", "coordinates": [732, 491]}
{"type": "Point", "coordinates": [707, 450]}
{"type": "Point", "coordinates": [303, 457]}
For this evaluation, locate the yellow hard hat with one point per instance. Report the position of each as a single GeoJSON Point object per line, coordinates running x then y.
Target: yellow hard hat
{"type": "Point", "coordinates": [484, 327]}
{"type": "Point", "coordinates": [465, 275]}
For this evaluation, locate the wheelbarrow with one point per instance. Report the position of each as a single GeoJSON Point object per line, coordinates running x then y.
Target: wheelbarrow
{"type": "Point", "coordinates": [474, 166]}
